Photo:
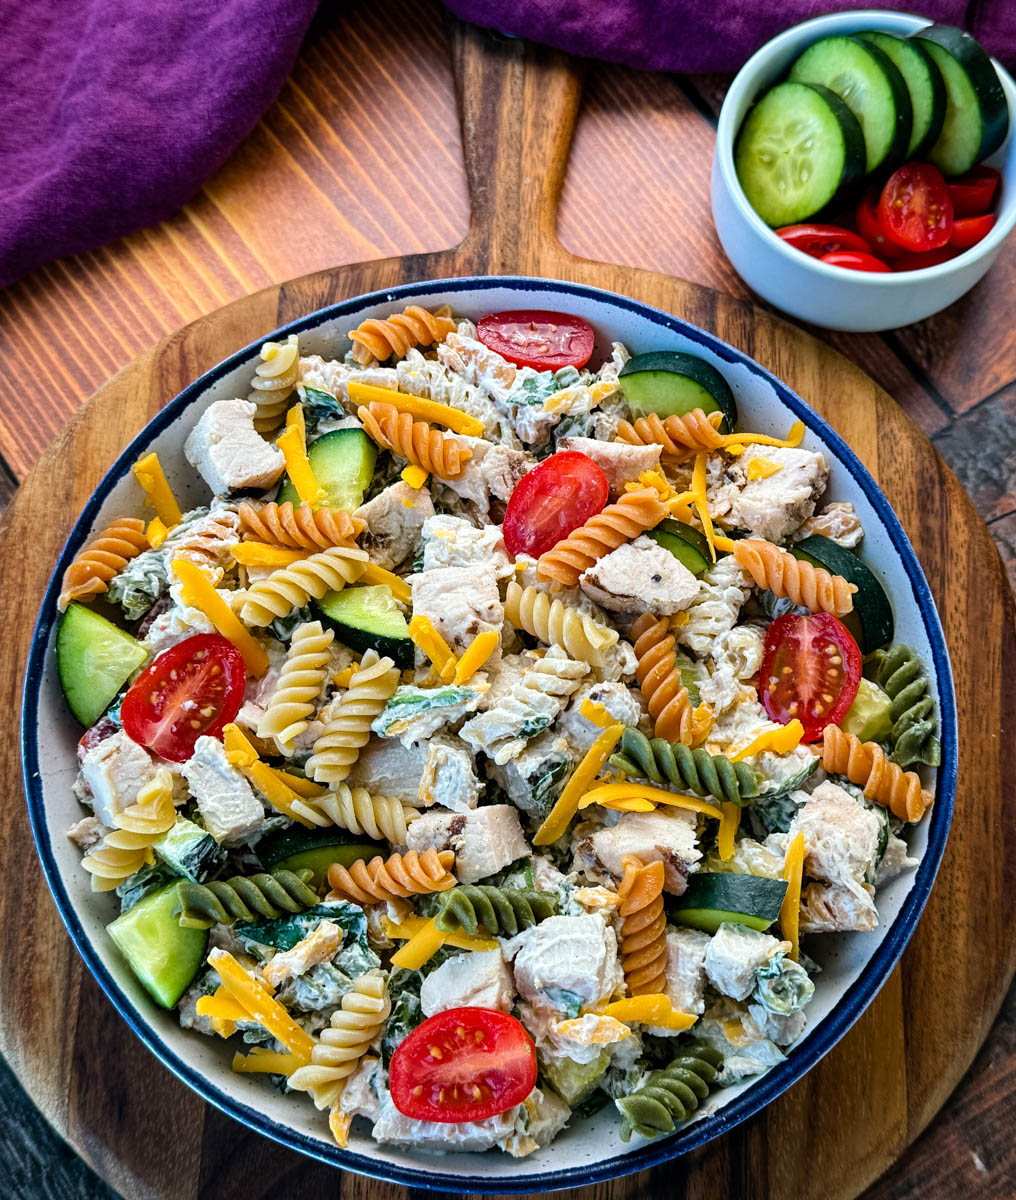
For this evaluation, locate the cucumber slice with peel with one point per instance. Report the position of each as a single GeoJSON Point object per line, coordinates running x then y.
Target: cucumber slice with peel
{"type": "Point", "coordinates": [162, 953]}
{"type": "Point", "coordinates": [715, 899]}
{"type": "Point", "coordinates": [924, 83]}
{"type": "Point", "coordinates": [687, 545]}
{"type": "Point", "coordinates": [368, 618]}
{"type": "Point", "coordinates": [94, 660]}
{"type": "Point", "coordinates": [672, 383]}
{"type": "Point", "coordinates": [343, 464]}
{"type": "Point", "coordinates": [871, 621]}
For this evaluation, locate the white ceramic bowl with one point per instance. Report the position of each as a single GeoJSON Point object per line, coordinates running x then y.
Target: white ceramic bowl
{"type": "Point", "coordinates": [854, 966]}
{"type": "Point", "coordinates": [802, 286]}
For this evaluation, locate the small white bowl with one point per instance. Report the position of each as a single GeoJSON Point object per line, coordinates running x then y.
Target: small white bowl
{"type": "Point", "coordinates": [802, 286]}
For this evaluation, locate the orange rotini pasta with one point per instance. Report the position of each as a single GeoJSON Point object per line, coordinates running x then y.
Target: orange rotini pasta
{"type": "Point", "coordinates": [379, 339]}
{"type": "Point", "coordinates": [393, 878]}
{"type": "Point", "coordinates": [679, 436]}
{"type": "Point", "coordinates": [105, 556]}
{"type": "Point", "coordinates": [417, 441]}
{"type": "Point", "coordinates": [303, 528]}
{"type": "Point", "coordinates": [658, 675]}
{"type": "Point", "coordinates": [866, 766]}
{"type": "Point", "coordinates": [629, 516]}
{"type": "Point", "coordinates": [643, 926]}
{"type": "Point", "coordinates": [793, 578]}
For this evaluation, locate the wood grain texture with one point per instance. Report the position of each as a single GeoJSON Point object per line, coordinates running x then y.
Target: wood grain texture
{"type": "Point", "coordinates": [841, 1126]}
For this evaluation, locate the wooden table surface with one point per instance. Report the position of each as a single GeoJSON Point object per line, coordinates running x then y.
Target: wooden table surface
{"type": "Point", "coordinates": [360, 158]}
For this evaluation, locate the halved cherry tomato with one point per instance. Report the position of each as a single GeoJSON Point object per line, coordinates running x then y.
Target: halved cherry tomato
{"type": "Point", "coordinates": [819, 240]}
{"type": "Point", "coordinates": [854, 260]}
{"type": "Point", "coordinates": [535, 338]}
{"type": "Point", "coordinates": [931, 258]}
{"type": "Point", "coordinates": [973, 193]}
{"type": "Point", "coordinates": [968, 231]}
{"type": "Point", "coordinates": [465, 1064]}
{"type": "Point", "coordinates": [915, 209]}
{"type": "Point", "coordinates": [870, 228]}
{"type": "Point", "coordinates": [193, 688]}
{"type": "Point", "coordinates": [811, 668]}
{"type": "Point", "coordinates": [559, 495]}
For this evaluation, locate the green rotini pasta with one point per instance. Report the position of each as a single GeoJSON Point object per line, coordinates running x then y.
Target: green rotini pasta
{"type": "Point", "coordinates": [500, 910]}
{"type": "Point", "coordinates": [669, 1095]}
{"type": "Point", "coordinates": [901, 674]}
{"type": "Point", "coordinates": [696, 771]}
{"type": "Point", "coordinates": [243, 898]}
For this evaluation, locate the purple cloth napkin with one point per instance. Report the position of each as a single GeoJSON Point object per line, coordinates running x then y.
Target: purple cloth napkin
{"type": "Point", "coordinates": [707, 35]}
{"type": "Point", "coordinates": [114, 112]}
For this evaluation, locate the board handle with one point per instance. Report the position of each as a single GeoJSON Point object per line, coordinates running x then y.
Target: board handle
{"type": "Point", "coordinates": [517, 105]}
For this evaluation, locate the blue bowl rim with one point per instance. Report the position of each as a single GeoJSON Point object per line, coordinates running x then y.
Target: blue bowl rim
{"type": "Point", "coordinates": [800, 1059]}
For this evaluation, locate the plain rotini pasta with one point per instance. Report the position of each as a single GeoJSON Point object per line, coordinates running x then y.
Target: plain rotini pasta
{"type": "Point", "coordinates": [723, 589]}
{"type": "Point", "coordinates": [679, 436]}
{"type": "Point", "coordinates": [556, 623]}
{"type": "Point", "coordinates": [291, 587]}
{"type": "Point", "coordinates": [243, 898]}
{"type": "Point", "coordinates": [688, 770]}
{"type": "Point", "coordinates": [794, 579]}
{"type": "Point", "coordinates": [643, 926]}
{"type": "Point", "coordinates": [630, 515]}
{"type": "Point", "coordinates": [301, 682]}
{"type": "Point", "coordinates": [669, 1095]}
{"type": "Point", "coordinates": [303, 528]}
{"type": "Point", "coordinates": [866, 766]}
{"type": "Point", "coordinates": [347, 722]}
{"type": "Point", "coordinates": [102, 558]}
{"type": "Point", "coordinates": [501, 911]}
{"type": "Point", "coordinates": [676, 719]}
{"type": "Point", "coordinates": [361, 813]}
{"type": "Point", "coordinates": [128, 847]}
{"type": "Point", "coordinates": [275, 376]}
{"type": "Point", "coordinates": [902, 675]}
{"type": "Point", "coordinates": [380, 338]}
{"type": "Point", "coordinates": [418, 442]}
{"type": "Point", "coordinates": [393, 878]}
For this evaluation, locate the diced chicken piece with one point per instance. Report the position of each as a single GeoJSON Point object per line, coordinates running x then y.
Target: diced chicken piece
{"type": "Point", "coordinates": [393, 1128]}
{"type": "Point", "coordinates": [685, 969]}
{"type": "Point", "coordinates": [86, 833]}
{"type": "Point", "coordinates": [535, 776]}
{"type": "Point", "coordinates": [453, 542]}
{"type": "Point", "coordinates": [620, 701]}
{"type": "Point", "coordinates": [229, 453]}
{"type": "Point", "coordinates": [321, 944]}
{"type": "Point", "coordinates": [493, 470]}
{"type": "Point", "coordinates": [449, 777]}
{"type": "Point", "coordinates": [460, 601]}
{"type": "Point", "coordinates": [565, 961]}
{"type": "Point", "coordinates": [775, 505]}
{"type": "Point", "coordinates": [637, 576]}
{"type": "Point", "coordinates": [477, 979]}
{"type": "Point", "coordinates": [895, 860]}
{"type": "Point", "coordinates": [541, 1117]}
{"type": "Point", "coordinates": [838, 521]}
{"type": "Point", "coordinates": [360, 1095]}
{"type": "Point", "coordinates": [734, 954]}
{"type": "Point", "coordinates": [828, 908]}
{"type": "Point", "coordinates": [388, 768]}
{"type": "Point", "coordinates": [841, 837]}
{"type": "Point", "coordinates": [661, 836]}
{"type": "Point", "coordinates": [394, 520]}
{"type": "Point", "coordinates": [484, 840]}
{"type": "Point", "coordinates": [619, 462]}
{"type": "Point", "coordinates": [230, 810]}
{"type": "Point", "coordinates": [115, 770]}
{"type": "Point", "coordinates": [782, 1029]}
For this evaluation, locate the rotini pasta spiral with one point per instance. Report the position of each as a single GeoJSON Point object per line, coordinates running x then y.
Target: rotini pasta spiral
{"type": "Point", "coordinates": [300, 684]}
{"type": "Point", "coordinates": [669, 1095]}
{"type": "Point", "coordinates": [630, 515]}
{"type": "Point", "coordinates": [418, 442]}
{"type": "Point", "coordinates": [361, 813]}
{"type": "Point", "coordinates": [502, 911]}
{"type": "Point", "coordinates": [129, 847]}
{"type": "Point", "coordinates": [243, 898]}
{"type": "Point", "coordinates": [643, 926]}
{"type": "Point", "coordinates": [302, 528]}
{"type": "Point", "coordinates": [380, 338]}
{"type": "Point", "coordinates": [901, 673]}
{"type": "Point", "coordinates": [102, 558]}
{"type": "Point", "coordinates": [291, 587]}
{"type": "Point", "coordinates": [660, 680]}
{"type": "Point", "coordinates": [275, 376]}
{"type": "Point", "coordinates": [556, 623]}
{"type": "Point", "coordinates": [347, 724]}
{"type": "Point", "coordinates": [679, 436]}
{"type": "Point", "coordinates": [866, 766]}
{"type": "Point", "coordinates": [690, 770]}
{"type": "Point", "coordinates": [793, 578]}
{"type": "Point", "coordinates": [393, 878]}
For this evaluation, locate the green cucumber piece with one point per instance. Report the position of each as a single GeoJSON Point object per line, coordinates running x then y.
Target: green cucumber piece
{"type": "Point", "coordinates": [297, 848]}
{"type": "Point", "coordinates": [368, 618]}
{"type": "Point", "coordinates": [714, 899]}
{"type": "Point", "coordinates": [343, 463]}
{"type": "Point", "coordinates": [976, 114]}
{"type": "Point", "coordinates": [687, 545]}
{"type": "Point", "coordinates": [669, 382]}
{"type": "Point", "coordinates": [797, 147]}
{"type": "Point", "coordinates": [190, 851]}
{"type": "Point", "coordinates": [162, 953]}
{"type": "Point", "coordinates": [871, 621]}
{"type": "Point", "coordinates": [924, 83]}
{"type": "Point", "coordinates": [869, 718]}
{"type": "Point", "coordinates": [94, 659]}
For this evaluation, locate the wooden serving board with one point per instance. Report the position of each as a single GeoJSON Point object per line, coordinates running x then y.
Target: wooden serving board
{"type": "Point", "coordinates": [840, 1127]}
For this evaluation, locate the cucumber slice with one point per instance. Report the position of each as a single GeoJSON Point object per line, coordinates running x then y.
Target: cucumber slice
{"type": "Point", "coordinates": [871, 621]}
{"type": "Point", "coordinates": [687, 545]}
{"type": "Point", "coordinates": [976, 113]}
{"type": "Point", "coordinates": [872, 88]}
{"type": "Point", "coordinates": [343, 463]}
{"type": "Point", "coordinates": [94, 659]}
{"type": "Point", "coordinates": [924, 83]}
{"type": "Point", "coordinates": [669, 382]}
{"type": "Point", "coordinates": [796, 148]}
{"type": "Point", "coordinates": [870, 716]}
{"type": "Point", "coordinates": [715, 899]}
{"type": "Point", "coordinates": [162, 953]}
{"type": "Point", "coordinates": [368, 618]}
{"type": "Point", "coordinates": [297, 848]}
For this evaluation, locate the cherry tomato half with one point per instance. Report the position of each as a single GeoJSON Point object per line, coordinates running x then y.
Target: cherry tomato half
{"type": "Point", "coordinates": [854, 260]}
{"type": "Point", "coordinates": [559, 495]}
{"type": "Point", "coordinates": [547, 341]}
{"type": "Point", "coordinates": [968, 231]}
{"type": "Point", "coordinates": [193, 688]}
{"type": "Point", "coordinates": [973, 193]}
{"type": "Point", "coordinates": [811, 668]}
{"type": "Point", "coordinates": [918, 262]}
{"type": "Point", "coordinates": [819, 240]}
{"type": "Point", "coordinates": [870, 228]}
{"type": "Point", "coordinates": [465, 1064]}
{"type": "Point", "coordinates": [915, 209]}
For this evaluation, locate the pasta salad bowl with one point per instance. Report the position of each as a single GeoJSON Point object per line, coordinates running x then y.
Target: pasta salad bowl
{"type": "Point", "coordinates": [846, 968]}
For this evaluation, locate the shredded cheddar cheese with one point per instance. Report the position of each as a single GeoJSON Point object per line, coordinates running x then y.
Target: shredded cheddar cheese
{"type": "Point", "coordinates": [427, 639]}
{"type": "Point", "coordinates": [306, 788]}
{"type": "Point", "coordinates": [781, 740]}
{"type": "Point", "coordinates": [605, 1031]}
{"type": "Point", "coordinates": [343, 678]}
{"type": "Point", "coordinates": [698, 486]}
{"type": "Point", "coordinates": [420, 948]}
{"type": "Point", "coordinates": [198, 592]}
{"type": "Point", "coordinates": [594, 711]}
{"type": "Point", "coordinates": [790, 909]}
{"type": "Point", "coordinates": [415, 476]}
{"type": "Point", "coordinates": [475, 655]}
{"type": "Point", "coordinates": [729, 823]}
{"type": "Point", "coordinates": [261, 1006]}
{"type": "Point", "coordinates": [426, 410]}
{"type": "Point", "coordinates": [567, 803]}
{"type": "Point", "coordinates": [257, 554]}
{"type": "Point", "coordinates": [156, 533]}
{"type": "Point", "coordinates": [654, 1009]}
{"type": "Point", "coordinates": [149, 473]}
{"type": "Point", "coordinates": [221, 1005]}
{"type": "Point", "coordinates": [293, 444]}
{"type": "Point", "coordinates": [242, 755]}
{"type": "Point", "coordinates": [410, 926]}
{"type": "Point", "coordinates": [265, 1062]}
{"type": "Point", "coordinates": [794, 436]}
{"type": "Point", "coordinates": [611, 792]}
{"type": "Point", "coordinates": [401, 590]}
{"type": "Point", "coordinates": [763, 468]}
